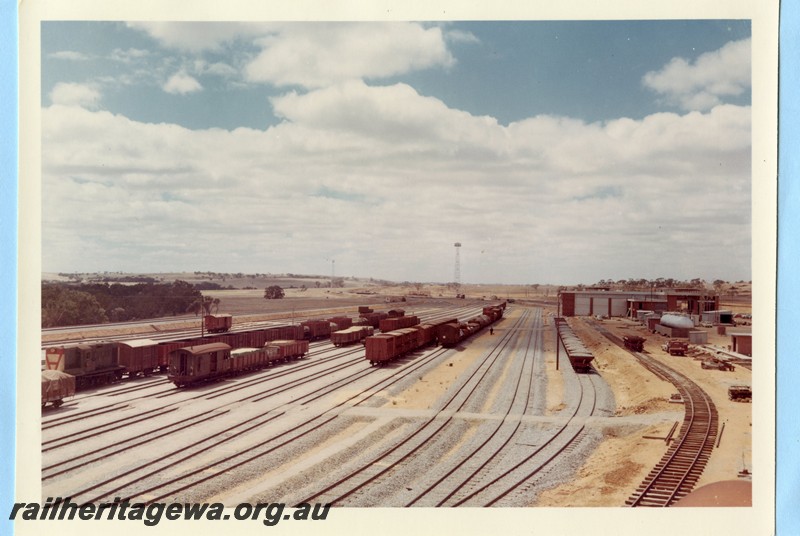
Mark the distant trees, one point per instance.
(70, 304)
(273, 292)
(62, 306)
(204, 304)
(658, 283)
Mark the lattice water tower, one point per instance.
(457, 276)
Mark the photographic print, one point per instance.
(296, 269)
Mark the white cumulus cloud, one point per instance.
(181, 84)
(318, 54)
(71, 94)
(369, 167)
(706, 82)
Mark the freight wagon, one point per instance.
(286, 350)
(374, 319)
(218, 323)
(579, 356)
(394, 344)
(451, 333)
(633, 342)
(351, 335)
(316, 329)
(385, 347)
(340, 323)
(217, 360)
(105, 362)
(397, 322)
(278, 333)
(56, 386)
(139, 357)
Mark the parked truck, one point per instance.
(676, 347)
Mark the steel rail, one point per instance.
(488, 360)
(682, 464)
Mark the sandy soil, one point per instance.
(625, 457)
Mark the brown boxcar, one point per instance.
(351, 335)
(438, 325)
(391, 345)
(56, 386)
(285, 333)
(427, 333)
(397, 322)
(218, 323)
(374, 319)
(138, 357)
(316, 329)
(451, 333)
(340, 322)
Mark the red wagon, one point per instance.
(351, 335)
(218, 323)
(139, 357)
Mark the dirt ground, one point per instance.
(625, 456)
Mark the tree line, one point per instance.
(68, 304)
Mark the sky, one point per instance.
(554, 152)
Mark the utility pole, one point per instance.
(457, 275)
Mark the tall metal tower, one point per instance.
(457, 276)
(333, 263)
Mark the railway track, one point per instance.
(502, 461)
(520, 478)
(133, 482)
(145, 476)
(683, 463)
(117, 447)
(495, 466)
(223, 467)
(359, 483)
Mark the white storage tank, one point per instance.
(676, 320)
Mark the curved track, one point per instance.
(682, 465)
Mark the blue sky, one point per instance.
(277, 147)
(510, 70)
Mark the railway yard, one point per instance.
(500, 418)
